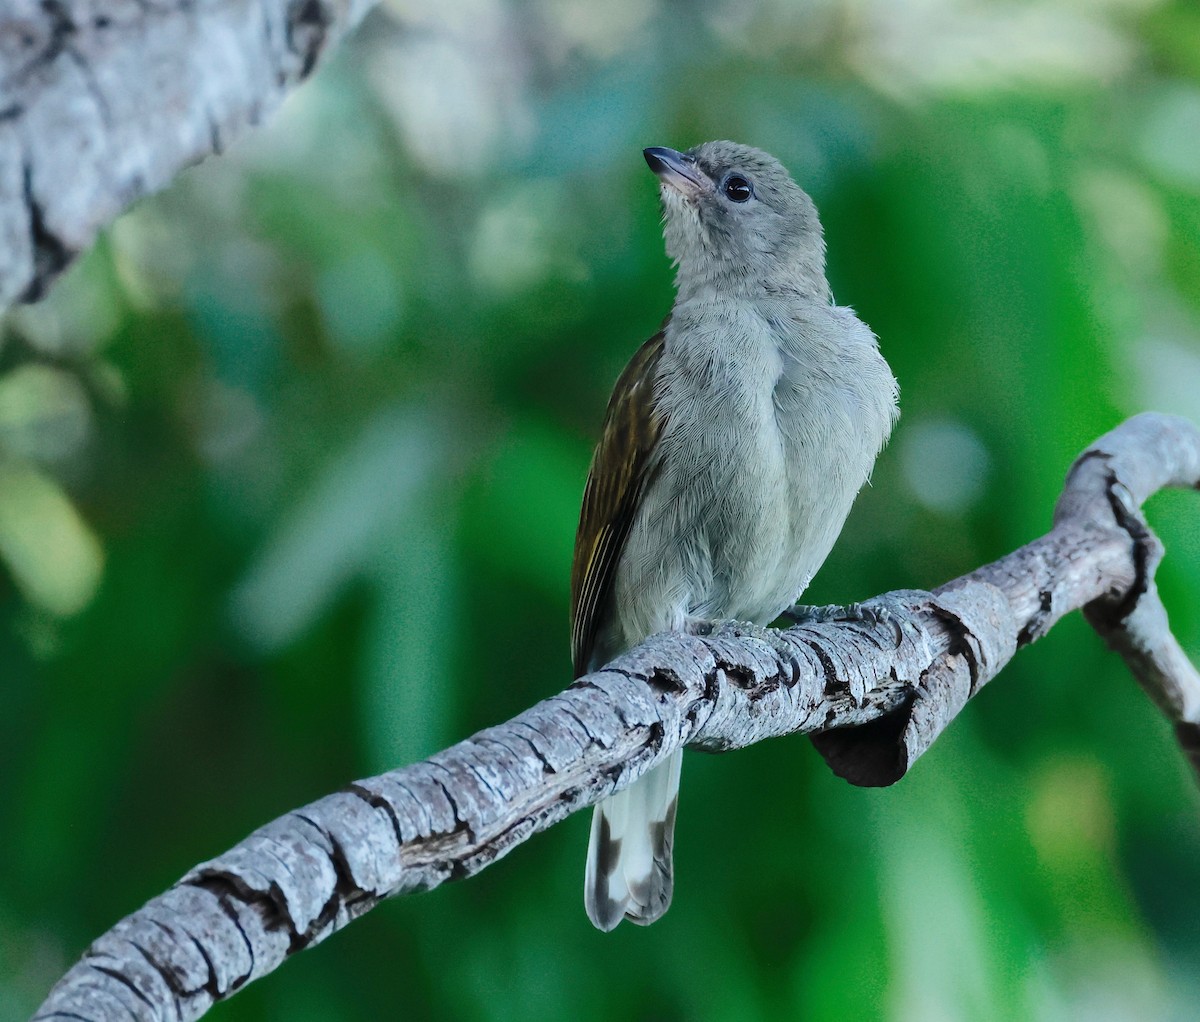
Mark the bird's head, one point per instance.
(734, 219)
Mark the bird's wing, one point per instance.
(622, 467)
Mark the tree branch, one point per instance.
(101, 104)
(874, 690)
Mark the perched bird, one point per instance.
(733, 447)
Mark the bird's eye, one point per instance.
(737, 189)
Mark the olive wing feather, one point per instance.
(622, 467)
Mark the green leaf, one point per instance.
(55, 558)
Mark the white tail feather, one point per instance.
(629, 872)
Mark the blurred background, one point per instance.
(291, 464)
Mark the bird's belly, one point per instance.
(744, 532)
(775, 528)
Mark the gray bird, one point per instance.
(733, 447)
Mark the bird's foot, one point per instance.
(871, 613)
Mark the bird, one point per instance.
(733, 446)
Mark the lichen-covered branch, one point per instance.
(874, 689)
(104, 102)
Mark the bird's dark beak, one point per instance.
(677, 170)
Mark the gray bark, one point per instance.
(104, 101)
(874, 688)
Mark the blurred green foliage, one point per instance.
(291, 465)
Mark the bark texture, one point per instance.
(874, 685)
(104, 101)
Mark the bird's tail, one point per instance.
(629, 855)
